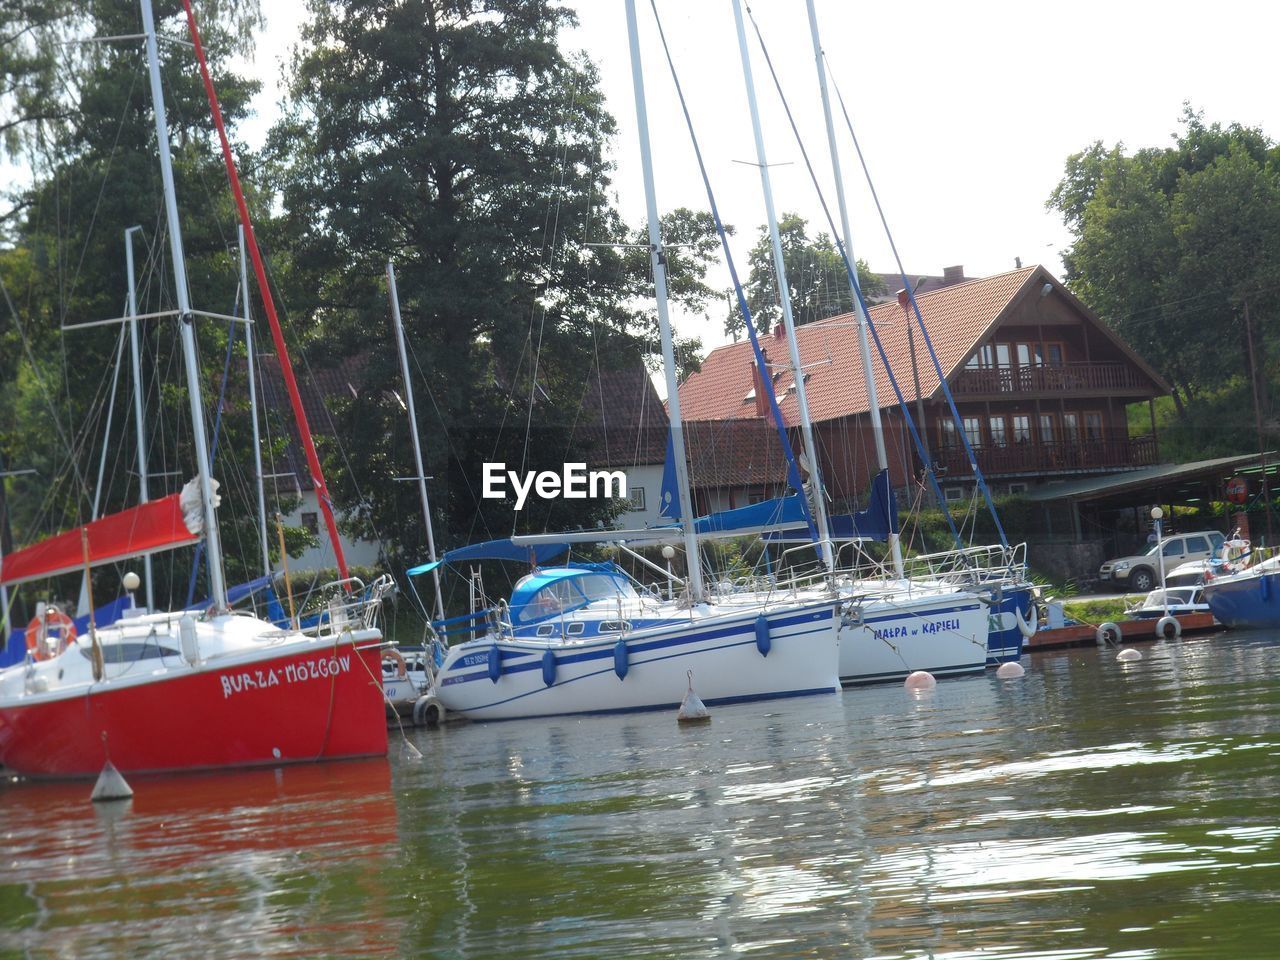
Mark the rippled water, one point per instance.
(1091, 809)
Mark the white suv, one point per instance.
(1141, 573)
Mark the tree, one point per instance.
(89, 141)
(816, 276)
(1169, 246)
(460, 141)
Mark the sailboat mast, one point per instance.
(139, 424)
(818, 497)
(864, 347)
(413, 432)
(268, 303)
(217, 585)
(253, 407)
(659, 263)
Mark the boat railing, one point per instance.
(349, 604)
(981, 563)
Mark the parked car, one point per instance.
(1141, 572)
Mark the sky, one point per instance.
(966, 113)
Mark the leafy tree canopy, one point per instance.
(1170, 246)
(816, 278)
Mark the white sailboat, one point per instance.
(598, 645)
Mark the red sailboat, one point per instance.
(184, 690)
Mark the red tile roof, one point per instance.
(957, 318)
(734, 453)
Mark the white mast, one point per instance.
(413, 431)
(818, 500)
(659, 262)
(253, 408)
(217, 585)
(139, 424)
(877, 428)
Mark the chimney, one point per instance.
(762, 399)
(1017, 263)
(952, 275)
(779, 331)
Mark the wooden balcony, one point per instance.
(1068, 378)
(1059, 457)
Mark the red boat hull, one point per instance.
(319, 704)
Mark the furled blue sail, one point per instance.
(495, 550)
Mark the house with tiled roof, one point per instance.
(1041, 384)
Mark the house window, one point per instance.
(1021, 428)
(1071, 427)
(973, 431)
(1048, 428)
(999, 438)
(1056, 353)
(637, 498)
(1093, 426)
(954, 494)
(947, 434)
(311, 523)
(984, 359)
(1017, 488)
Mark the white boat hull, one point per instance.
(887, 639)
(591, 676)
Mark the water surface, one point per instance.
(1091, 809)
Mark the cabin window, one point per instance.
(614, 626)
(546, 629)
(999, 437)
(1021, 428)
(575, 629)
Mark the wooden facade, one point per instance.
(1042, 387)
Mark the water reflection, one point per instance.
(225, 860)
(1088, 810)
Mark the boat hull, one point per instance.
(1004, 639)
(322, 703)
(887, 640)
(724, 653)
(1248, 600)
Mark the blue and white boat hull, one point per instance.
(1004, 636)
(886, 638)
(743, 654)
(1250, 599)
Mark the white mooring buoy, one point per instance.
(1128, 655)
(110, 786)
(692, 710)
(1011, 670)
(920, 680)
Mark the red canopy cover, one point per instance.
(147, 528)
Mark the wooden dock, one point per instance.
(1083, 635)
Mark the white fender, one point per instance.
(1027, 627)
(1164, 623)
(1107, 632)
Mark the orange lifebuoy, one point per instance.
(38, 633)
(396, 657)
